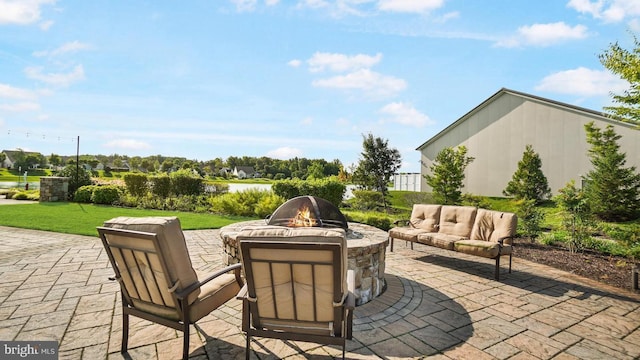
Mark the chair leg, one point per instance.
(185, 344)
(247, 350)
(391, 241)
(510, 255)
(498, 268)
(344, 347)
(125, 332)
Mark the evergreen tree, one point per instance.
(528, 182)
(447, 174)
(612, 191)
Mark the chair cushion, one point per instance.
(405, 233)
(492, 225)
(426, 217)
(457, 220)
(213, 294)
(279, 303)
(172, 245)
(443, 241)
(487, 249)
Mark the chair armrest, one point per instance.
(191, 288)
(502, 239)
(405, 222)
(350, 301)
(242, 293)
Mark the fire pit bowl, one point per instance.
(304, 211)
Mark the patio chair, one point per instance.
(297, 285)
(157, 281)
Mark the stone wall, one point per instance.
(53, 188)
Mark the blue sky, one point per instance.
(204, 79)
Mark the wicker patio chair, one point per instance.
(157, 281)
(296, 285)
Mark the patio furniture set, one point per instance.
(295, 283)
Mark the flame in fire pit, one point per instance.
(303, 218)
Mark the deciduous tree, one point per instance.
(626, 64)
(377, 165)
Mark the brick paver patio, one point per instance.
(438, 305)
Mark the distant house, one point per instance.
(11, 156)
(244, 172)
(497, 131)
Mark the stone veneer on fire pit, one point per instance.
(366, 252)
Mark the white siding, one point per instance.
(497, 133)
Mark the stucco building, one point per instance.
(497, 131)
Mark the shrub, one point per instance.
(576, 215)
(530, 218)
(250, 202)
(475, 200)
(366, 200)
(161, 185)
(84, 193)
(381, 222)
(21, 196)
(107, 195)
(185, 182)
(329, 189)
(77, 178)
(137, 183)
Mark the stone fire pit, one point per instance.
(366, 252)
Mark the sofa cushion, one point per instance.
(426, 217)
(457, 220)
(492, 225)
(482, 248)
(405, 233)
(443, 241)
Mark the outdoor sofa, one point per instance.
(463, 229)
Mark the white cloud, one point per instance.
(583, 82)
(284, 153)
(21, 12)
(405, 114)
(314, 4)
(128, 144)
(46, 25)
(366, 80)
(245, 5)
(8, 91)
(307, 121)
(410, 6)
(59, 79)
(545, 35)
(69, 47)
(340, 62)
(294, 63)
(271, 2)
(19, 107)
(607, 10)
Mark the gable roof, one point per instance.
(535, 98)
(246, 169)
(12, 154)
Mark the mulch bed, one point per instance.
(611, 270)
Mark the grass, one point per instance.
(82, 219)
(14, 175)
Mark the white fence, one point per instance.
(407, 182)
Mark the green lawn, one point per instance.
(82, 219)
